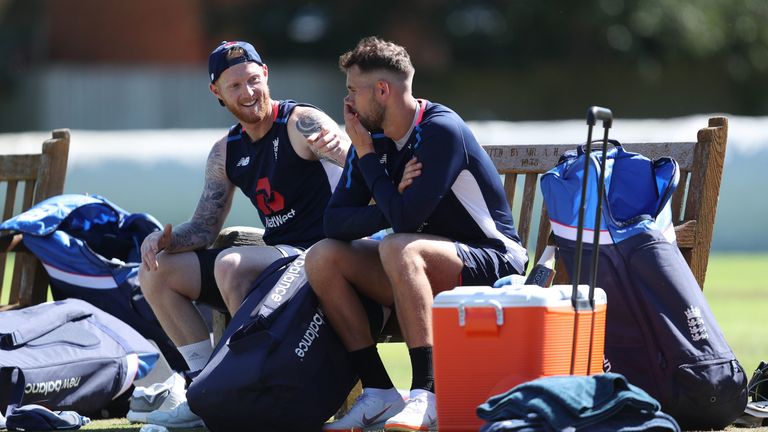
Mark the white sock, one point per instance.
(390, 394)
(197, 354)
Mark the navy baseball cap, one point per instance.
(228, 54)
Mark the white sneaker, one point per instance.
(419, 414)
(368, 412)
(179, 417)
(165, 396)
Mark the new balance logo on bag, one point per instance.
(312, 332)
(52, 386)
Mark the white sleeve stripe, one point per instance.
(468, 192)
(332, 171)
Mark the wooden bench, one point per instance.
(27, 179)
(694, 204)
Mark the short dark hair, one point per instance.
(372, 53)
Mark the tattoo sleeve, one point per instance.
(309, 122)
(211, 210)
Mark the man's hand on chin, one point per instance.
(361, 138)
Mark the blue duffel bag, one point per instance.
(91, 250)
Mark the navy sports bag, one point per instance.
(90, 249)
(72, 356)
(279, 366)
(660, 332)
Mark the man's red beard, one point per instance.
(252, 114)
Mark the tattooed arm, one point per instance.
(212, 208)
(314, 136)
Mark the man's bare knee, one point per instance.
(320, 263)
(155, 282)
(395, 249)
(232, 278)
(173, 277)
(225, 267)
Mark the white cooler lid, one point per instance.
(514, 296)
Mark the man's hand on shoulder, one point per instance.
(322, 135)
(327, 144)
(152, 245)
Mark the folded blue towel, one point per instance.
(599, 402)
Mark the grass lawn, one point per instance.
(123, 425)
(735, 289)
(738, 295)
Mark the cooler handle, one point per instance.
(481, 303)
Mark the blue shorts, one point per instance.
(484, 265)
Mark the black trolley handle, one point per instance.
(599, 113)
(594, 114)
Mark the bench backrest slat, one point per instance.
(701, 164)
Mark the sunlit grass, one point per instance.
(737, 291)
(5, 284)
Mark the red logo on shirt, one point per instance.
(267, 200)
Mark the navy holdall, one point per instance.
(279, 365)
(660, 332)
(72, 356)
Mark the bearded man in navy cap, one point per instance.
(286, 157)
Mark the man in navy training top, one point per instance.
(438, 191)
(286, 158)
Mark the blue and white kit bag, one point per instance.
(660, 332)
(91, 250)
(72, 356)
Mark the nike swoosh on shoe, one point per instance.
(369, 421)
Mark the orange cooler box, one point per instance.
(488, 340)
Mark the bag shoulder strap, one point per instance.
(286, 287)
(25, 325)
